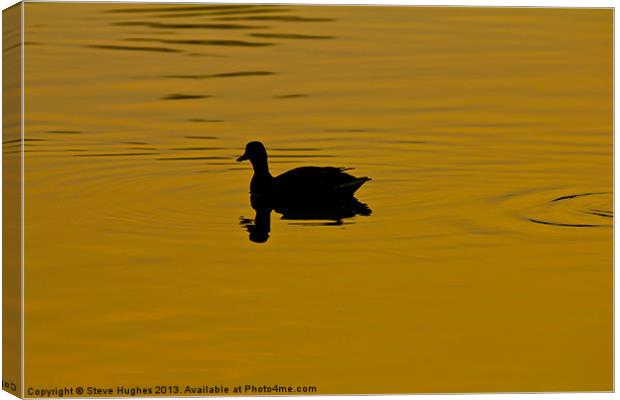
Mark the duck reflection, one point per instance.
(260, 227)
(330, 213)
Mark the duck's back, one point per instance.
(316, 182)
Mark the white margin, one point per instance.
(436, 3)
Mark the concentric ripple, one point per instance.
(578, 210)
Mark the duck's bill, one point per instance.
(242, 158)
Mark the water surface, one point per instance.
(486, 264)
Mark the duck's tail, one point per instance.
(352, 186)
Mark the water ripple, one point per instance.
(132, 48)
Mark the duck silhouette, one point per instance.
(305, 193)
(304, 184)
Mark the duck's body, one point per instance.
(300, 185)
(316, 182)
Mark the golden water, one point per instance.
(467, 276)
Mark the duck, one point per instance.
(306, 185)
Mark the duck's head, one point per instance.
(254, 151)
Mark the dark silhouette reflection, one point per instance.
(333, 212)
(260, 227)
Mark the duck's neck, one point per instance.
(261, 168)
(262, 179)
